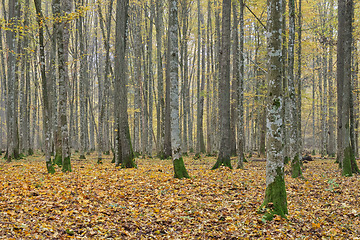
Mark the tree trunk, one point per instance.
(224, 89)
(344, 52)
(210, 79)
(332, 103)
(160, 80)
(178, 163)
(125, 156)
(200, 145)
(83, 93)
(294, 138)
(235, 80)
(12, 151)
(275, 195)
(167, 123)
(240, 95)
(45, 87)
(63, 53)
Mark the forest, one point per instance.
(179, 119)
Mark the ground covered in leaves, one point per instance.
(102, 202)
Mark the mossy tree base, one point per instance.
(82, 156)
(286, 160)
(66, 165)
(50, 167)
(346, 165)
(161, 155)
(275, 198)
(58, 160)
(240, 163)
(179, 169)
(349, 165)
(128, 162)
(222, 161)
(296, 167)
(30, 152)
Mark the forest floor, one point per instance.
(103, 202)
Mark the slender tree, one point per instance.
(178, 162)
(63, 56)
(344, 52)
(160, 75)
(294, 138)
(224, 89)
(241, 137)
(124, 150)
(11, 122)
(44, 84)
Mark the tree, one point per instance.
(124, 151)
(83, 89)
(44, 84)
(345, 151)
(224, 89)
(63, 56)
(294, 138)
(240, 95)
(178, 162)
(11, 114)
(275, 195)
(200, 144)
(160, 74)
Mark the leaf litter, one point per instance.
(104, 202)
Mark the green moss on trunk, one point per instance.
(354, 166)
(30, 152)
(58, 159)
(286, 160)
(275, 197)
(179, 169)
(296, 167)
(346, 165)
(66, 165)
(50, 167)
(161, 155)
(128, 162)
(222, 161)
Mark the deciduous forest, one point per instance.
(179, 119)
